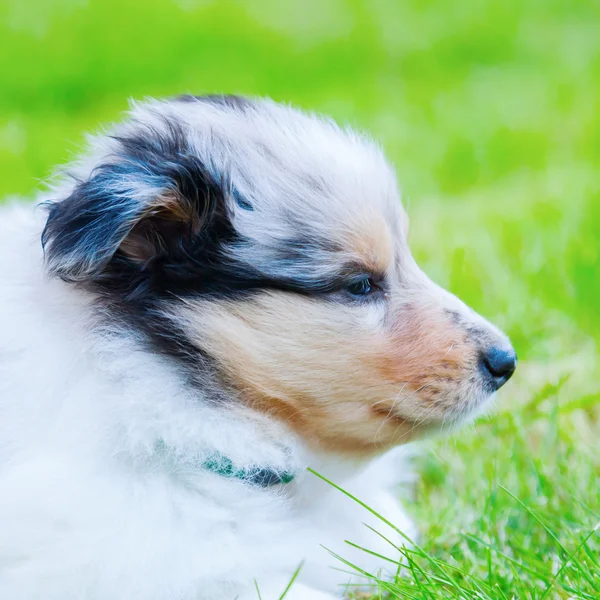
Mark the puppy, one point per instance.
(218, 296)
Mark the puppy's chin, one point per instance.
(428, 421)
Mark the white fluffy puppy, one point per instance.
(217, 297)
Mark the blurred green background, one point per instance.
(490, 111)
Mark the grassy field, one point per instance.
(491, 113)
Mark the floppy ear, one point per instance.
(148, 202)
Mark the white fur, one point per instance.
(90, 511)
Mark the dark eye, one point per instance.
(362, 287)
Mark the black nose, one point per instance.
(499, 364)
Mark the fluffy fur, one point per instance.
(218, 279)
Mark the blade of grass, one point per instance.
(536, 517)
(291, 582)
(568, 560)
(381, 518)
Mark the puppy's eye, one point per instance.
(362, 287)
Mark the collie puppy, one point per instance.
(217, 297)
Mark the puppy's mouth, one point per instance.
(436, 408)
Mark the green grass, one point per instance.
(491, 112)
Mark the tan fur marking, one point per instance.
(142, 241)
(425, 347)
(369, 237)
(333, 379)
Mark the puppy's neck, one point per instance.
(157, 418)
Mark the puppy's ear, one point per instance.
(150, 201)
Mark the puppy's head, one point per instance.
(270, 247)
